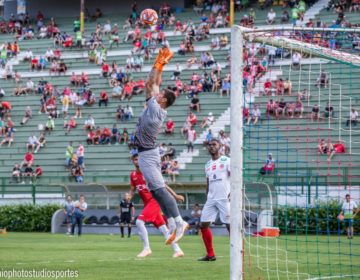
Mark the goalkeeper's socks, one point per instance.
(207, 238)
(129, 231)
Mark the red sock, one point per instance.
(207, 238)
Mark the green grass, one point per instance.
(109, 257)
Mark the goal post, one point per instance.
(283, 37)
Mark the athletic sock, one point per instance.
(179, 221)
(171, 224)
(143, 233)
(165, 231)
(207, 238)
(122, 231)
(129, 231)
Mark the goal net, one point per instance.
(295, 103)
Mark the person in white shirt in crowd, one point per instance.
(271, 17)
(27, 115)
(69, 208)
(89, 122)
(28, 55)
(353, 120)
(49, 54)
(32, 143)
(296, 60)
(225, 143)
(208, 121)
(2, 92)
(107, 27)
(30, 86)
(349, 210)
(128, 112)
(255, 115)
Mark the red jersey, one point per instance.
(137, 181)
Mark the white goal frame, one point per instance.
(238, 36)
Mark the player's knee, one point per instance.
(139, 222)
(204, 224)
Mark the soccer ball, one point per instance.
(149, 17)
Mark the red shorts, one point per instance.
(152, 214)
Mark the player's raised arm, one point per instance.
(152, 84)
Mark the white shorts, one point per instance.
(214, 207)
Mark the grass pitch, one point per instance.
(111, 257)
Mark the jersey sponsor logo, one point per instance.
(214, 176)
(222, 166)
(213, 167)
(141, 187)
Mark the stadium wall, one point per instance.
(63, 8)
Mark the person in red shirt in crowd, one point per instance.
(271, 107)
(34, 64)
(57, 54)
(179, 85)
(51, 104)
(169, 127)
(267, 87)
(127, 92)
(105, 69)
(137, 33)
(39, 16)
(90, 137)
(68, 43)
(10, 123)
(148, 35)
(192, 119)
(280, 87)
(38, 172)
(68, 125)
(28, 160)
(178, 26)
(97, 136)
(105, 136)
(104, 98)
(84, 78)
(74, 80)
(6, 106)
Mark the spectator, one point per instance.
(352, 121)
(89, 123)
(28, 160)
(349, 209)
(38, 172)
(27, 115)
(30, 86)
(169, 127)
(281, 108)
(271, 17)
(195, 103)
(225, 87)
(80, 152)
(16, 172)
(105, 70)
(28, 172)
(208, 121)
(326, 149)
(68, 125)
(209, 136)
(329, 111)
(322, 80)
(177, 72)
(117, 90)
(287, 86)
(191, 137)
(128, 112)
(32, 143)
(225, 142)
(9, 137)
(296, 60)
(268, 168)
(91, 138)
(50, 125)
(191, 119)
(294, 108)
(114, 138)
(105, 136)
(195, 217)
(2, 92)
(315, 113)
(224, 40)
(124, 137)
(174, 170)
(255, 115)
(104, 98)
(120, 113)
(42, 142)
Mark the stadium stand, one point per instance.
(109, 164)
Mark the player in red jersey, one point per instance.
(151, 212)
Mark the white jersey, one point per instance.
(348, 208)
(218, 174)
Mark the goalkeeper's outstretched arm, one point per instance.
(152, 85)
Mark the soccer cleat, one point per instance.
(178, 254)
(171, 238)
(145, 253)
(207, 259)
(181, 231)
(164, 57)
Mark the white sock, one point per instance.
(165, 231)
(142, 231)
(179, 221)
(171, 224)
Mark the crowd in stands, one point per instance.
(208, 76)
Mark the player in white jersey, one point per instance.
(218, 196)
(349, 210)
